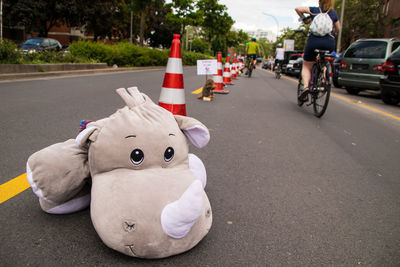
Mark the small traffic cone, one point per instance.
(218, 78)
(172, 96)
(227, 72)
(234, 67)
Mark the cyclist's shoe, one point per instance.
(304, 95)
(247, 72)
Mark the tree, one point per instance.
(160, 30)
(183, 14)
(103, 18)
(143, 7)
(362, 19)
(41, 15)
(216, 23)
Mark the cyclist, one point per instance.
(252, 49)
(279, 55)
(326, 42)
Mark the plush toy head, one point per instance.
(147, 193)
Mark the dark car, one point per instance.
(40, 44)
(357, 71)
(336, 70)
(390, 82)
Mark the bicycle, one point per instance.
(320, 84)
(250, 67)
(278, 71)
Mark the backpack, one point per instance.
(322, 24)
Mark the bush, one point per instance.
(9, 53)
(190, 58)
(121, 54)
(126, 54)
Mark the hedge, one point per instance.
(126, 54)
(122, 54)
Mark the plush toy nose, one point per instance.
(129, 226)
(178, 217)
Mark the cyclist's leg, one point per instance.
(305, 77)
(306, 72)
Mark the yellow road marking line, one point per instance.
(198, 91)
(365, 106)
(351, 101)
(13, 187)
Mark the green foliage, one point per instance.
(362, 19)
(9, 53)
(199, 46)
(190, 58)
(126, 54)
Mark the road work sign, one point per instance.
(207, 67)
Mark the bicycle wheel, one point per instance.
(277, 74)
(322, 91)
(300, 88)
(250, 70)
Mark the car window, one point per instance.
(395, 45)
(367, 49)
(33, 42)
(396, 52)
(46, 43)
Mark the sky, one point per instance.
(248, 14)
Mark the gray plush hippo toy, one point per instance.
(145, 191)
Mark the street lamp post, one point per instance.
(1, 20)
(277, 24)
(339, 43)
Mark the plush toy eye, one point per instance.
(137, 156)
(168, 154)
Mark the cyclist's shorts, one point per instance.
(322, 43)
(254, 56)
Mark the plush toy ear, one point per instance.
(89, 134)
(194, 130)
(58, 173)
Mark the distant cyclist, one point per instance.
(252, 49)
(279, 55)
(326, 42)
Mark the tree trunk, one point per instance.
(141, 33)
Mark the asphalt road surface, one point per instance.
(286, 188)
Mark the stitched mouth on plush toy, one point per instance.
(132, 250)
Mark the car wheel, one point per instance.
(336, 83)
(389, 97)
(352, 90)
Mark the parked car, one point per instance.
(294, 65)
(357, 71)
(40, 44)
(336, 70)
(287, 56)
(390, 82)
(266, 64)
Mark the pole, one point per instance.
(1, 20)
(130, 36)
(277, 24)
(339, 43)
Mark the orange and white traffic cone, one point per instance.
(234, 67)
(218, 78)
(233, 72)
(226, 78)
(172, 96)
